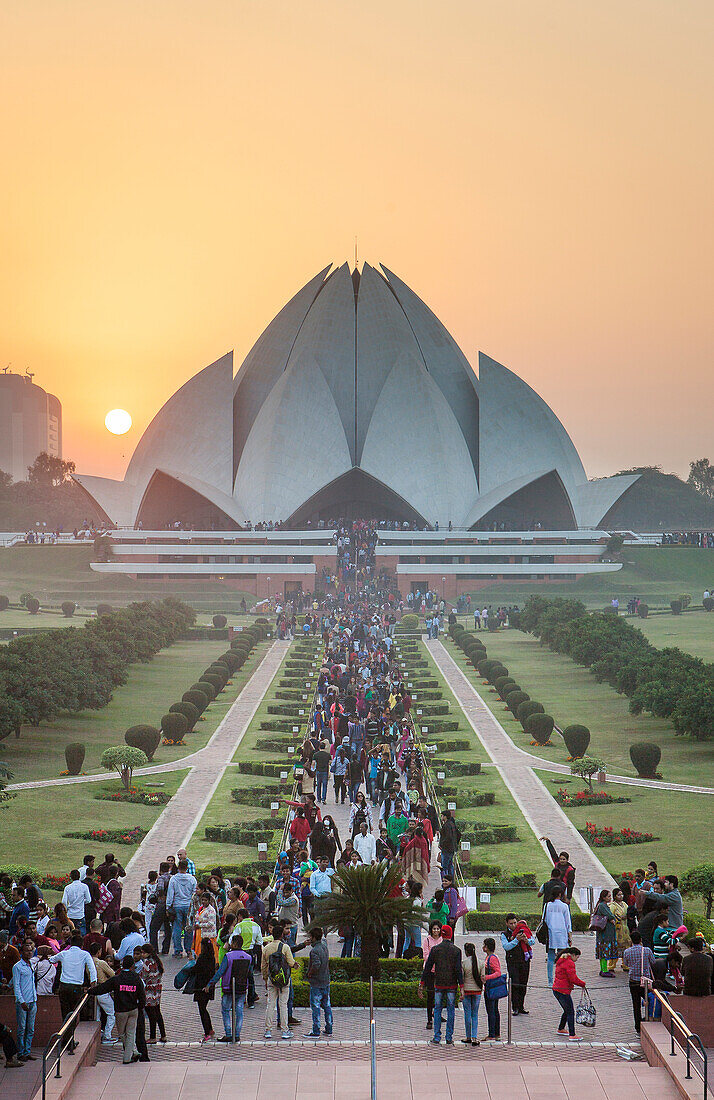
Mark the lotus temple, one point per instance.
(356, 402)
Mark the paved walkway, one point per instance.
(515, 767)
(174, 827)
(448, 1075)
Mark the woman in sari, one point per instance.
(205, 928)
(618, 908)
(415, 857)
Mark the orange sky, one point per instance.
(540, 172)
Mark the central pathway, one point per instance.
(515, 767)
(175, 826)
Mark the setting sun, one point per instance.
(118, 421)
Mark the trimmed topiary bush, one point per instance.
(504, 684)
(577, 739)
(199, 699)
(514, 699)
(220, 621)
(526, 709)
(645, 756)
(407, 624)
(104, 609)
(4, 603)
(676, 606)
(497, 670)
(174, 726)
(231, 660)
(190, 712)
(539, 727)
(146, 738)
(707, 603)
(214, 678)
(32, 605)
(74, 757)
(207, 689)
(68, 608)
(643, 610)
(123, 759)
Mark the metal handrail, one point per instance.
(691, 1039)
(56, 1041)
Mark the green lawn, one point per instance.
(655, 573)
(676, 818)
(221, 810)
(571, 694)
(148, 693)
(693, 632)
(33, 823)
(526, 854)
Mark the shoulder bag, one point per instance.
(498, 988)
(541, 932)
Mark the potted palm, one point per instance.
(368, 899)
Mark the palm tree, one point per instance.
(5, 773)
(362, 899)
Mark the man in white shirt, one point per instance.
(365, 843)
(87, 862)
(74, 963)
(320, 879)
(76, 895)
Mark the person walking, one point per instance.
(127, 990)
(638, 959)
(449, 840)
(276, 964)
(556, 915)
(564, 982)
(233, 975)
(603, 921)
(473, 988)
(493, 988)
(179, 895)
(25, 992)
(318, 975)
(445, 966)
(517, 941)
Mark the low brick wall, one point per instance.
(47, 1021)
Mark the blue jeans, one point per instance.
(321, 786)
(447, 865)
(494, 1017)
(568, 1017)
(551, 964)
(25, 1026)
(411, 936)
(226, 1008)
(320, 999)
(471, 1003)
(181, 928)
(441, 995)
(353, 791)
(348, 947)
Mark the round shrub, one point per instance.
(199, 699)
(493, 624)
(676, 606)
(68, 608)
(241, 645)
(174, 726)
(408, 622)
(707, 603)
(207, 688)
(514, 619)
(496, 670)
(24, 598)
(530, 706)
(484, 667)
(32, 605)
(216, 672)
(645, 756)
(4, 603)
(643, 610)
(577, 739)
(215, 679)
(514, 699)
(220, 621)
(104, 609)
(190, 712)
(539, 727)
(504, 684)
(221, 667)
(74, 757)
(146, 738)
(231, 660)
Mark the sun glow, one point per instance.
(118, 421)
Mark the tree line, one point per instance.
(667, 683)
(59, 671)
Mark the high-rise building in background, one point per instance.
(30, 422)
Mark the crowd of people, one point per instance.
(243, 935)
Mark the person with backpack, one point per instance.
(234, 970)
(275, 967)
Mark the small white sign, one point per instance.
(419, 710)
(304, 698)
(308, 683)
(451, 805)
(262, 849)
(296, 729)
(409, 683)
(275, 805)
(424, 729)
(414, 698)
(465, 845)
(485, 899)
(441, 776)
(301, 712)
(291, 750)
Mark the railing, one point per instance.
(687, 1041)
(57, 1043)
(372, 1042)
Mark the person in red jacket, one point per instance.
(565, 980)
(300, 827)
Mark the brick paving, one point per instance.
(449, 1076)
(515, 767)
(174, 827)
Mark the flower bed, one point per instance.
(136, 795)
(604, 836)
(172, 741)
(587, 798)
(112, 836)
(397, 987)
